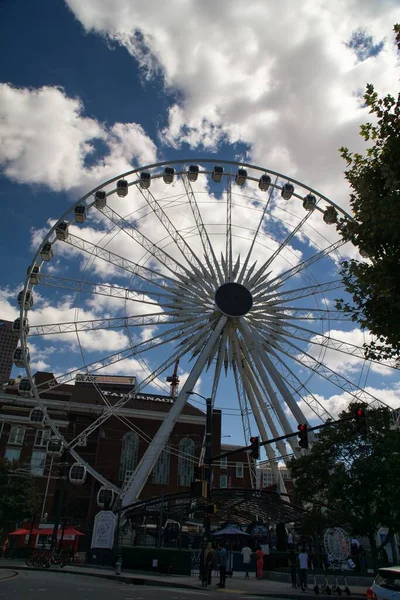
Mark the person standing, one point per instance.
(260, 562)
(246, 553)
(209, 556)
(303, 564)
(292, 563)
(5, 547)
(222, 562)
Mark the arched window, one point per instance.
(186, 462)
(161, 469)
(129, 455)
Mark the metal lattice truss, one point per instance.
(235, 302)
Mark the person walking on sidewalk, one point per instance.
(246, 553)
(292, 563)
(209, 556)
(303, 563)
(222, 562)
(260, 562)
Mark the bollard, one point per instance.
(118, 565)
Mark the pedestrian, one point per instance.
(222, 563)
(292, 563)
(260, 562)
(246, 553)
(4, 548)
(303, 564)
(209, 556)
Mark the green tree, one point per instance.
(19, 496)
(374, 285)
(356, 476)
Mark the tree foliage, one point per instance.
(19, 496)
(374, 285)
(354, 478)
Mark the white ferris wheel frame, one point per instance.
(249, 344)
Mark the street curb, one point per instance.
(137, 580)
(15, 573)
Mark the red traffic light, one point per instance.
(360, 412)
(303, 435)
(255, 447)
(360, 416)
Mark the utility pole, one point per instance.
(64, 473)
(208, 461)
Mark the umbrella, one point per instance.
(231, 532)
(49, 531)
(20, 532)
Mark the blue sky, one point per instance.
(92, 89)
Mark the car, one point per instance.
(386, 585)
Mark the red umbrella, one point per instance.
(49, 531)
(20, 532)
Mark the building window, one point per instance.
(239, 469)
(224, 462)
(161, 468)
(16, 436)
(42, 437)
(38, 462)
(129, 454)
(12, 454)
(186, 462)
(223, 481)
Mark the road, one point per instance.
(37, 585)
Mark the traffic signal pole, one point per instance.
(283, 437)
(208, 459)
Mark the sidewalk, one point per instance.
(236, 584)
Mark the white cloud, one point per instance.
(342, 361)
(336, 403)
(45, 139)
(278, 77)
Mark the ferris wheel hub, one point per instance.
(233, 299)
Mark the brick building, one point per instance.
(8, 343)
(113, 449)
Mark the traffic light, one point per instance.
(211, 509)
(255, 447)
(361, 420)
(303, 435)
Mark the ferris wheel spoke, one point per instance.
(314, 337)
(297, 386)
(145, 273)
(208, 250)
(103, 289)
(115, 408)
(160, 339)
(178, 239)
(341, 382)
(281, 246)
(135, 485)
(253, 241)
(291, 313)
(142, 320)
(228, 250)
(165, 259)
(298, 293)
(256, 351)
(305, 264)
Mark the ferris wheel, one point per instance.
(230, 268)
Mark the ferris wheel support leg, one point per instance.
(256, 351)
(139, 477)
(282, 387)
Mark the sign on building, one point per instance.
(104, 529)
